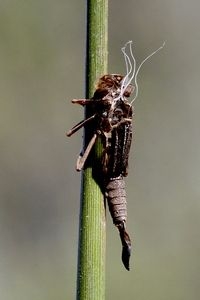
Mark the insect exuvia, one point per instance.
(111, 120)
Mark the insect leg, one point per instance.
(82, 157)
(79, 125)
(125, 120)
(82, 101)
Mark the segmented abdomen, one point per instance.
(116, 198)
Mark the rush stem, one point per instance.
(92, 233)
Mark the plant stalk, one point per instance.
(92, 236)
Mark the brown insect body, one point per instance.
(112, 121)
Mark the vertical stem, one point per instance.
(91, 262)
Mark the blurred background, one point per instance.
(42, 56)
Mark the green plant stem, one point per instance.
(92, 237)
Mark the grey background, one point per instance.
(42, 56)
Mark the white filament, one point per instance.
(126, 81)
(131, 69)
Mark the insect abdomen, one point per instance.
(116, 197)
